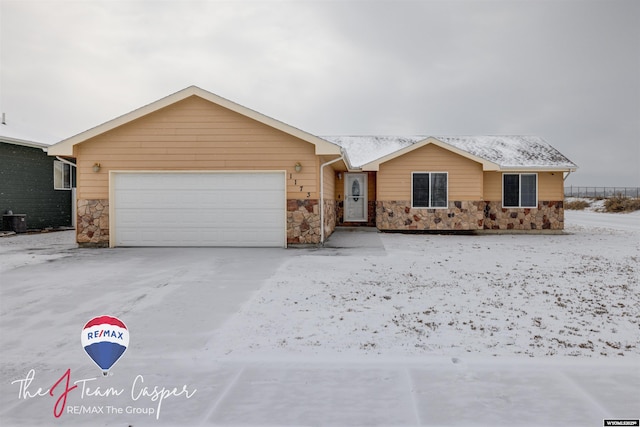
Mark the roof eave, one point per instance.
(539, 168)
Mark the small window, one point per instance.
(429, 189)
(61, 175)
(520, 190)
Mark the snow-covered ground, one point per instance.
(29, 249)
(374, 329)
(531, 295)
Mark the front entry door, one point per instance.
(355, 200)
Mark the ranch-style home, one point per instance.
(195, 169)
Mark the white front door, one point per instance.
(355, 199)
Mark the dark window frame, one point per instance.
(518, 192)
(425, 194)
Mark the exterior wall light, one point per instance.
(298, 167)
(96, 167)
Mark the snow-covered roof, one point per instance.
(365, 149)
(506, 152)
(511, 151)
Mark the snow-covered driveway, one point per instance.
(381, 329)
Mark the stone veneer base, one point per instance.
(303, 221)
(549, 215)
(92, 225)
(469, 216)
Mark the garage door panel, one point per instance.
(199, 209)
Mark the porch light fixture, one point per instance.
(96, 167)
(298, 167)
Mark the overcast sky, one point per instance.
(566, 70)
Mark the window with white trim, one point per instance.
(61, 175)
(520, 190)
(429, 189)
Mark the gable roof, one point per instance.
(509, 152)
(65, 147)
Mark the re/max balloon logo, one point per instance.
(105, 339)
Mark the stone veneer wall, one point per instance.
(398, 215)
(92, 226)
(329, 217)
(303, 218)
(549, 215)
(303, 221)
(469, 215)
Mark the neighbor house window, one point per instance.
(61, 175)
(520, 190)
(429, 190)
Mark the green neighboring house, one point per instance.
(34, 184)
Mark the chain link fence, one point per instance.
(601, 192)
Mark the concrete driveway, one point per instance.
(149, 286)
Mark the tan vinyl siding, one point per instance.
(465, 175)
(195, 134)
(550, 185)
(329, 180)
(492, 186)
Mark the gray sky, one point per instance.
(566, 70)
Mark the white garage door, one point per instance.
(199, 209)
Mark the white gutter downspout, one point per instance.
(322, 194)
(66, 161)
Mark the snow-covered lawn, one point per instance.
(531, 295)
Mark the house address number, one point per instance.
(295, 182)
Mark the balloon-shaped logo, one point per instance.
(105, 339)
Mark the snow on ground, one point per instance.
(28, 249)
(589, 221)
(575, 294)
(374, 329)
(509, 295)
